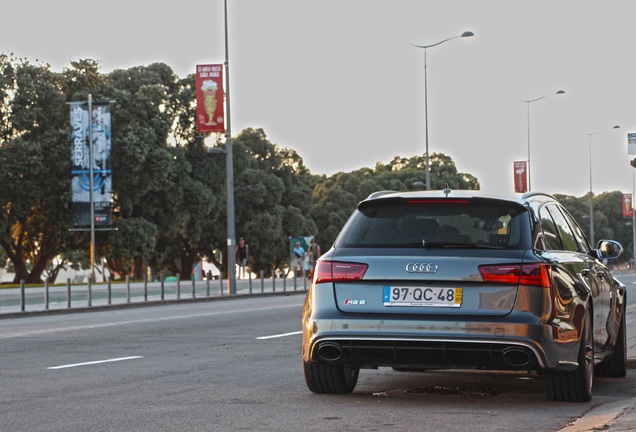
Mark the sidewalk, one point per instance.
(15, 302)
(631, 336)
(619, 416)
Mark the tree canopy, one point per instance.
(169, 187)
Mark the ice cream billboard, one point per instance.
(209, 94)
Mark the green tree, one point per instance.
(134, 240)
(150, 175)
(336, 197)
(146, 170)
(272, 198)
(610, 224)
(444, 171)
(7, 87)
(608, 219)
(332, 207)
(34, 167)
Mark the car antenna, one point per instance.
(446, 190)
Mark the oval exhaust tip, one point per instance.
(329, 352)
(516, 357)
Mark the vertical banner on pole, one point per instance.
(520, 176)
(631, 143)
(81, 163)
(628, 209)
(209, 94)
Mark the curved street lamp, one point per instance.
(465, 34)
(591, 202)
(528, 104)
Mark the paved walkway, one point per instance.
(618, 416)
(17, 302)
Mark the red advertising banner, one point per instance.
(521, 177)
(209, 92)
(628, 208)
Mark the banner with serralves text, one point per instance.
(209, 95)
(81, 163)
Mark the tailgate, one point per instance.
(443, 283)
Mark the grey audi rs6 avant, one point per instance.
(460, 280)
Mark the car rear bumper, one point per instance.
(426, 353)
(427, 344)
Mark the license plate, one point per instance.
(418, 296)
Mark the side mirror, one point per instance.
(608, 249)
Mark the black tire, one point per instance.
(330, 378)
(616, 365)
(576, 385)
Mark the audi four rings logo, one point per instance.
(422, 268)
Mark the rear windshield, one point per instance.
(437, 223)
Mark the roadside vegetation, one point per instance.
(169, 189)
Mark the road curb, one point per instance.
(604, 417)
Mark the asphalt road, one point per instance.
(234, 365)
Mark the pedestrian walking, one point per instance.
(308, 263)
(297, 260)
(242, 253)
(314, 252)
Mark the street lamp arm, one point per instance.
(603, 130)
(544, 96)
(465, 34)
(435, 44)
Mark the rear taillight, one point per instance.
(336, 271)
(517, 274)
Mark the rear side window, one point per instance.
(567, 236)
(560, 232)
(550, 231)
(433, 223)
(578, 233)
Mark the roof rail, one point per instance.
(532, 193)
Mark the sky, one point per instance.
(340, 81)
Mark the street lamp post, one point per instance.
(528, 105)
(229, 165)
(465, 34)
(591, 196)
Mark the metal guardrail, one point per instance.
(94, 295)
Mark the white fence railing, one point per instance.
(92, 295)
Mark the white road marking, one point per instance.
(278, 335)
(138, 321)
(95, 362)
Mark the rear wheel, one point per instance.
(576, 385)
(330, 378)
(616, 366)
